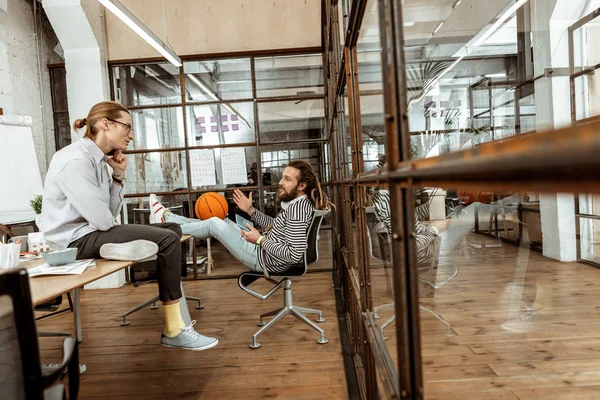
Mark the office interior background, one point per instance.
(485, 109)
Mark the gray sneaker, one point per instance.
(136, 250)
(189, 339)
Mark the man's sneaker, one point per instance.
(156, 210)
(189, 339)
(136, 250)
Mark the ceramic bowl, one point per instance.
(60, 257)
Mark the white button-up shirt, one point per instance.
(79, 195)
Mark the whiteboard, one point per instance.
(20, 175)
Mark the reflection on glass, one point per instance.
(497, 284)
(589, 228)
(275, 158)
(371, 89)
(291, 120)
(586, 56)
(218, 80)
(147, 85)
(158, 128)
(156, 172)
(289, 75)
(214, 124)
(461, 76)
(527, 108)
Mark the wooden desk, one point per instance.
(44, 288)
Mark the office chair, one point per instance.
(21, 372)
(311, 255)
(142, 215)
(422, 269)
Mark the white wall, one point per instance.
(209, 26)
(19, 77)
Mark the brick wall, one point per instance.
(20, 90)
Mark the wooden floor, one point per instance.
(554, 355)
(129, 363)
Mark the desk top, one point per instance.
(44, 288)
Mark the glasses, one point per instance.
(127, 126)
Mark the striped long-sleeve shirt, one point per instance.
(284, 244)
(426, 237)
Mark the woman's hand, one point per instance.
(118, 162)
(251, 236)
(244, 203)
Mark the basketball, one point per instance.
(211, 205)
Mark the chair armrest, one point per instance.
(71, 362)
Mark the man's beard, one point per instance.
(282, 195)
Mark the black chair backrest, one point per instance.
(19, 320)
(311, 255)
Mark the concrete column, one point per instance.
(550, 22)
(79, 25)
(80, 29)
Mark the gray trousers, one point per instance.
(166, 236)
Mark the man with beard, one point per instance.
(285, 238)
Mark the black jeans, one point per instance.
(166, 236)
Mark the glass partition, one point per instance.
(216, 80)
(146, 84)
(158, 128)
(291, 120)
(217, 124)
(289, 76)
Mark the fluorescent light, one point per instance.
(121, 12)
(437, 28)
(202, 86)
(456, 4)
(412, 23)
(500, 75)
(507, 14)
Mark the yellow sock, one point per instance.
(173, 320)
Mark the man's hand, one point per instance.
(244, 203)
(252, 236)
(118, 162)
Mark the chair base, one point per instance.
(289, 309)
(393, 318)
(153, 301)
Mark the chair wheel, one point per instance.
(255, 345)
(261, 323)
(154, 307)
(125, 323)
(199, 307)
(320, 319)
(322, 340)
(377, 315)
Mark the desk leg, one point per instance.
(209, 262)
(194, 257)
(77, 313)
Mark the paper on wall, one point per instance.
(233, 165)
(202, 164)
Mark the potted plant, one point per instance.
(36, 205)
